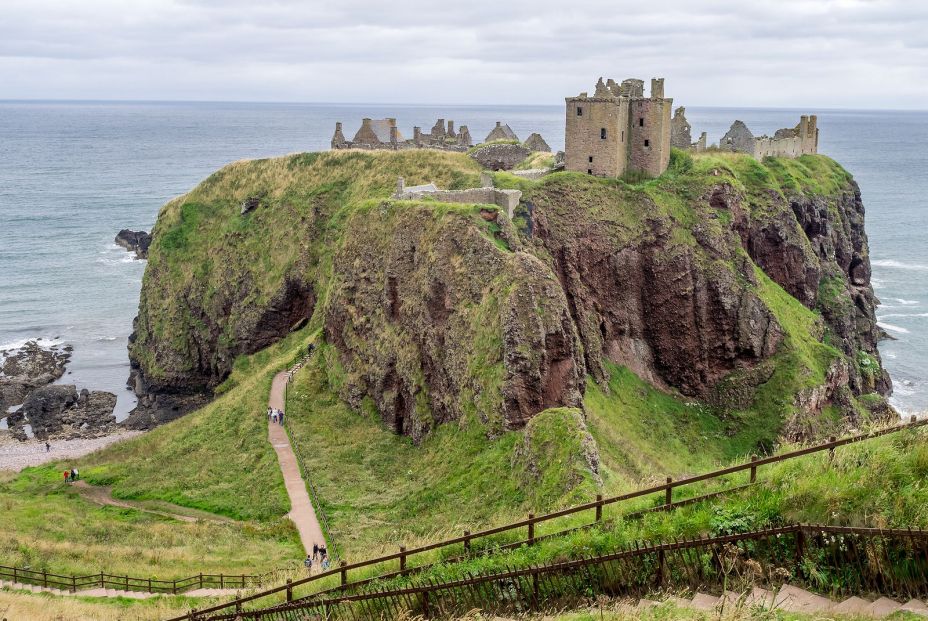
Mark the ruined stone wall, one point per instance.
(681, 135)
(584, 140)
(649, 135)
(507, 199)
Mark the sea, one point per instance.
(72, 174)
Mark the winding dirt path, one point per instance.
(104, 496)
(301, 509)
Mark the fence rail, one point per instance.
(74, 583)
(833, 560)
(467, 539)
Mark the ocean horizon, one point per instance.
(75, 172)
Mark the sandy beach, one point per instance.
(16, 455)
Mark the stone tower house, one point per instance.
(618, 129)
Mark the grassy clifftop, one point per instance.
(473, 368)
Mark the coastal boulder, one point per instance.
(134, 241)
(61, 412)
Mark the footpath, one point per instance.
(301, 508)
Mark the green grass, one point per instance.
(49, 526)
(380, 491)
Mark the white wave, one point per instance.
(106, 338)
(892, 263)
(898, 315)
(892, 328)
(903, 302)
(43, 341)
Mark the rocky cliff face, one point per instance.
(438, 312)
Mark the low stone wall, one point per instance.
(532, 174)
(507, 199)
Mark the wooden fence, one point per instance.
(833, 560)
(467, 540)
(102, 580)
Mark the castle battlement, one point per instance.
(618, 129)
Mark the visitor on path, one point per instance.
(270, 412)
(315, 551)
(280, 416)
(74, 474)
(325, 563)
(322, 551)
(48, 446)
(273, 416)
(67, 476)
(308, 563)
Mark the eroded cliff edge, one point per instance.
(741, 284)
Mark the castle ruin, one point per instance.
(787, 142)
(618, 129)
(384, 134)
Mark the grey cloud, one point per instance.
(763, 52)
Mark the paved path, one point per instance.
(301, 509)
(98, 592)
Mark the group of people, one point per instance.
(70, 476)
(320, 555)
(275, 416)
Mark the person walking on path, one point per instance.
(308, 563)
(48, 446)
(280, 417)
(74, 474)
(67, 476)
(315, 550)
(325, 563)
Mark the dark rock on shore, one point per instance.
(27, 368)
(134, 241)
(61, 412)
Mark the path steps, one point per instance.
(796, 600)
(788, 599)
(98, 592)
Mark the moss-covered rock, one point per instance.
(742, 284)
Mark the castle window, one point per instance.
(623, 135)
(589, 171)
(602, 133)
(647, 143)
(579, 111)
(591, 159)
(641, 122)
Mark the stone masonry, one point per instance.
(618, 129)
(787, 142)
(486, 195)
(384, 134)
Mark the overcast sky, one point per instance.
(824, 53)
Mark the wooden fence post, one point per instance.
(800, 547)
(344, 572)
(74, 584)
(831, 450)
(599, 508)
(467, 541)
(15, 578)
(201, 580)
(149, 585)
(44, 578)
(425, 604)
(289, 590)
(221, 581)
(531, 529)
(402, 558)
(127, 582)
(102, 586)
(660, 567)
(669, 497)
(753, 468)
